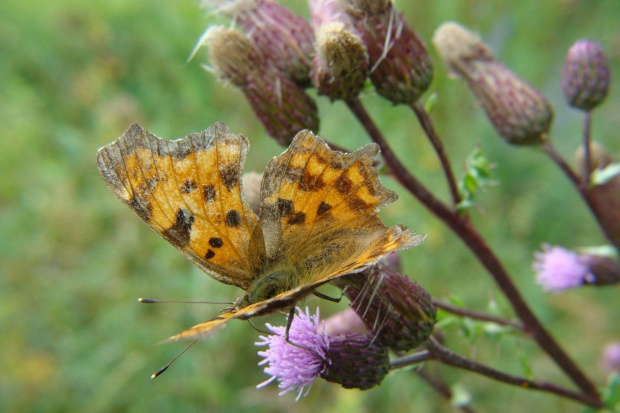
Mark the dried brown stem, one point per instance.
(474, 241)
(427, 124)
(476, 315)
(446, 356)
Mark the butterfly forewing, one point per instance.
(189, 192)
(319, 209)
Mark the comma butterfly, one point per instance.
(318, 212)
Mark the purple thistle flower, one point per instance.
(558, 268)
(355, 361)
(295, 368)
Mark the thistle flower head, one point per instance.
(340, 67)
(558, 268)
(295, 367)
(284, 38)
(520, 114)
(399, 313)
(279, 103)
(400, 67)
(356, 362)
(585, 75)
(353, 360)
(232, 56)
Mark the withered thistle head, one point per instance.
(400, 67)
(278, 102)
(520, 114)
(284, 38)
(340, 66)
(398, 312)
(585, 75)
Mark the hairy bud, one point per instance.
(398, 312)
(284, 38)
(400, 67)
(356, 362)
(520, 114)
(278, 102)
(585, 75)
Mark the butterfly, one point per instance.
(318, 212)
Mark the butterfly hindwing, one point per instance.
(189, 192)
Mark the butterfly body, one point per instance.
(318, 212)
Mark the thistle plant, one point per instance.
(354, 41)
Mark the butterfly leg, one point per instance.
(289, 323)
(328, 298)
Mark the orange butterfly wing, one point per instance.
(188, 191)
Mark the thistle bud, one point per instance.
(356, 362)
(340, 67)
(398, 312)
(520, 114)
(401, 69)
(280, 104)
(585, 75)
(284, 38)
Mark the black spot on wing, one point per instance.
(285, 207)
(357, 204)
(309, 182)
(344, 185)
(188, 186)
(233, 218)
(297, 218)
(179, 233)
(216, 242)
(323, 208)
(208, 191)
(230, 175)
(210, 254)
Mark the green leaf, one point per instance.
(477, 177)
(611, 394)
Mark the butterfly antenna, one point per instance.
(155, 301)
(257, 329)
(163, 369)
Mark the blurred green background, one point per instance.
(73, 260)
